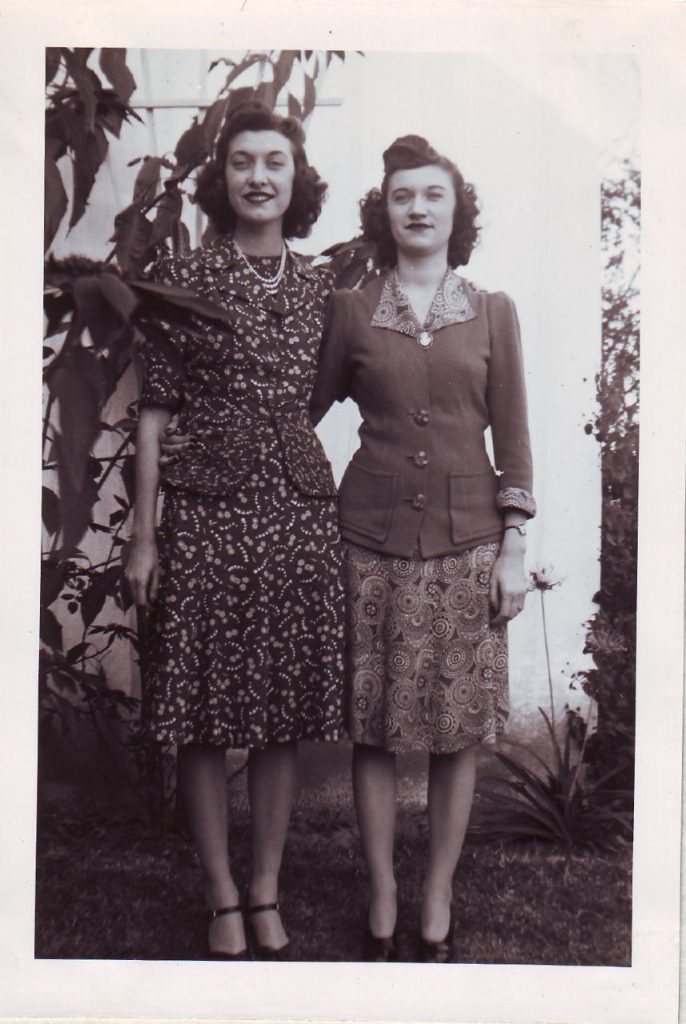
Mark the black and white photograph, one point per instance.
(342, 650)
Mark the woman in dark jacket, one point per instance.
(434, 559)
(243, 580)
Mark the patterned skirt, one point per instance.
(428, 671)
(245, 643)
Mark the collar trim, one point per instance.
(449, 305)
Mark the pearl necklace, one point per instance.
(270, 284)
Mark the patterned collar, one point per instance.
(449, 305)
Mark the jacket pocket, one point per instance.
(212, 465)
(473, 511)
(366, 501)
(306, 462)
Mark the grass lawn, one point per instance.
(107, 888)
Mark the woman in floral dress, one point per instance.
(242, 578)
(434, 538)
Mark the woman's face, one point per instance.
(259, 176)
(421, 204)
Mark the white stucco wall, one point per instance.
(533, 137)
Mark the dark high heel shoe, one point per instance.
(214, 954)
(258, 951)
(437, 952)
(378, 951)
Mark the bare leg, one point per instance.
(450, 794)
(202, 777)
(271, 786)
(375, 790)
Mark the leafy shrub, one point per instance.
(611, 638)
(554, 804)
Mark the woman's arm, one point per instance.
(509, 427)
(332, 381)
(508, 579)
(142, 566)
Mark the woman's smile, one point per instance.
(421, 205)
(259, 175)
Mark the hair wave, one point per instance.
(308, 188)
(376, 226)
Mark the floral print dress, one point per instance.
(246, 636)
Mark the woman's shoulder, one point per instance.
(178, 268)
(360, 299)
(494, 302)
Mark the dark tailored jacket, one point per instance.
(421, 480)
(239, 388)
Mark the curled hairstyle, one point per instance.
(406, 153)
(308, 188)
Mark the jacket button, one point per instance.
(421, 417)
(421, 459)
(419, 502)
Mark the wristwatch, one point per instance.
(519, 527)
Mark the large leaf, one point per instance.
(119, 296)
(238, 69)
(105, 584)
(168, 214)
(50, 508)
(294, 108)
(163, 300)
(283, 69)
(104, 305)
(85, 80)
(265, 93)
(191, 149)
(114, 66)
(147, 183)
(55, 201)
(90, 150)
(53, 575)
(50, 629)
(132, 232)
(52, 63)
(212, 122)
(309, 98)
(78, 386)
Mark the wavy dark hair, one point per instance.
(308, 188)
(376, 226)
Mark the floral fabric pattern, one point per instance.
(234, 387)
(246, 636)
(428, 670)
(449, 305)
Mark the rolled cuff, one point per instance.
(516, 498)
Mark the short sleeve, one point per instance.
(332, 383)
(162, 354)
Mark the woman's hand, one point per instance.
(172, 443)
(508, 585)
(142, 570)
